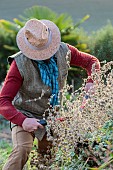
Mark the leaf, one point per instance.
(105, 164)
(9, 26)
(39, 12)
(12, 48)
(71, 28)
(18, 22)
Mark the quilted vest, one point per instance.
(33, 96)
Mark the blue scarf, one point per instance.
(49, 76)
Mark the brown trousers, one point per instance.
(22, 146)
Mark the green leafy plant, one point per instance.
(5, 150)
(101, 42)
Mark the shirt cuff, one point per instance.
(89, 80)
(18, 119)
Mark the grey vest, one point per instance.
(32, 98)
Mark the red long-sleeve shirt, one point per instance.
(13, 82)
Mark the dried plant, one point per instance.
(77, 135)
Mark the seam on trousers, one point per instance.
(16, 136)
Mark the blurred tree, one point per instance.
(101, 43)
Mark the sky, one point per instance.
(100, 11)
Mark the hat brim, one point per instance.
(44, 53)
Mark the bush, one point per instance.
(84, 139)
(7, 43)
(100, 43)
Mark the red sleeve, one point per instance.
(83, 60)
(12, 84)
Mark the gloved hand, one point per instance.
(89, 88)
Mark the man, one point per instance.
(36, 76)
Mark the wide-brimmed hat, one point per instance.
(39, 39)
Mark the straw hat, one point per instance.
(39, 39)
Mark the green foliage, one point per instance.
(96, 151)
(7, 45)
(101, 43)
(3, 123)
(76, 77)
(39, 12)
(5, 150)
(103, 145)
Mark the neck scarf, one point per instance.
(49, 76)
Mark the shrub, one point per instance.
(7, 47)
(100, 43)
(84, 139)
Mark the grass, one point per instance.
(5, 150)
(5, 145)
